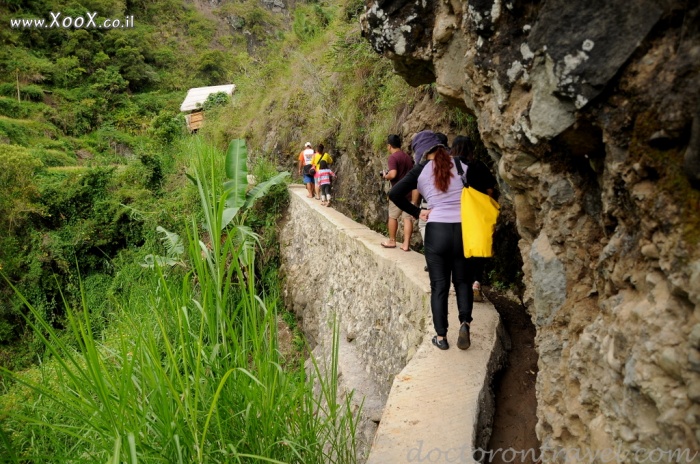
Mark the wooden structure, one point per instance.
(192, 105)
(194, 120)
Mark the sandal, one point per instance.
(442, 344)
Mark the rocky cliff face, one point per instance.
(592, 111)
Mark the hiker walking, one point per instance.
(440, 184)
(305, 159)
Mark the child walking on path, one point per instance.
(324, 182)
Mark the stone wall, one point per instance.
(592, 111)
(335, 269)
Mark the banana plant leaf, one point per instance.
(261, 189)
(237, 173)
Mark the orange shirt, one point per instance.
(306, 156)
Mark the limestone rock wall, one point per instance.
(592, 111)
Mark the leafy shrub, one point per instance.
(73, 197)
(216, 99)
(152, 103)
(13, 109)
(213, 67)
(155, 171)
(14, 132)
(109, 80)
(96, 286)
(62, 144)
(310, 20)
(8, 89)
(51, 158)
(303, 26)
(166, 127)
(67, 71)
(77, 113)
(109, 140)
(129, 118)
(18, 192)
(32, 92)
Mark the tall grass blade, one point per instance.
(117, 450)
(132, 448)
(7, 448)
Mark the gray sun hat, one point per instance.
(424, 142)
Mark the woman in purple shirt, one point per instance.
(441, 186)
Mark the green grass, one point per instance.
(324, 84)
(189, 369)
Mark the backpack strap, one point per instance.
(460, 171)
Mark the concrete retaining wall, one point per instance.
(334, 268)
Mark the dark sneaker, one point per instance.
(463, 340)
(442, 344)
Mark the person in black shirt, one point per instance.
(478, 175)
(480, 178)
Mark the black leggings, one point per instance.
(477, 265)
(445, 257)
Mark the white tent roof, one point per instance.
(198, 95)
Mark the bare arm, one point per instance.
(405, 187)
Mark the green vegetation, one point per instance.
(102, 92)
(190, 370)
(89, 120)
(139, 314)
(323, 82)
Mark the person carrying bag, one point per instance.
(438, 182)
(479, 213)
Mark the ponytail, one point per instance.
(442, 169)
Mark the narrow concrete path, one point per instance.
(440, 406)
(435, 405)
